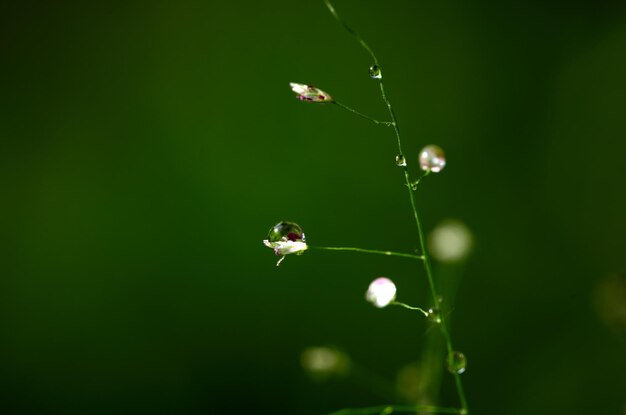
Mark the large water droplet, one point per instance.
(400, 160)
(456, 362)
(432, 158)
(375, 72)
(434, 315)
(286, 231)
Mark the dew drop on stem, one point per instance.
(456, 362)
(375, 72)
(434, 315)
(400, 160)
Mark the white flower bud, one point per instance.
(381, 292)
(309, 93)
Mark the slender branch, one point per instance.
(388, 409)
(367, 251)
(419, 179)
(367, 117)
(409, 307)
(420, 232)
(433, 292)
(392, 113)
(351, 31)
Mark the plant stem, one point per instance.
(367, 251)
(427, 266)
(367, 117)
(399, 409)
(419, 179)
(420, 232)
(409, 307)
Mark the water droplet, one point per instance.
(375, 72)
(286, 231)
(434, 315)
(432, 158)
(456, 362)
(400, 160)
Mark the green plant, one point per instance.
(288, 238)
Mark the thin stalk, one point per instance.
(367, 251)
(427, 266)
(409, 307)
(420, 232)
(398, 409)
(351, 31)
(367, 117)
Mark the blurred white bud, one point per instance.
(324, 362)
(381, 292)
(450, 241)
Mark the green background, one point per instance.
(146, 149)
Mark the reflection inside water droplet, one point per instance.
(286, 231)
(400, 160)
(375, 72)
(456, 362)
(432, 159)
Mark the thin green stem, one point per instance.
(367, 117)
(392, 113)
(419, 179)
(398, 409)
(433, 292)
(367, 251)
(409, 307)
(420, 232)
(351, 31)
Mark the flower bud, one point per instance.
(309, 93)
(381, 292)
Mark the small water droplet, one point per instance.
(439, 299)
(400, 160)
(375, 72)
(434, 315)
(432, 159)
(286, 231)
(456, 362)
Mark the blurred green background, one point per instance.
(147, 147)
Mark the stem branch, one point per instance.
(367, 117)
(409, 307)
(398, 409)
(367, 251)
(420, 232)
